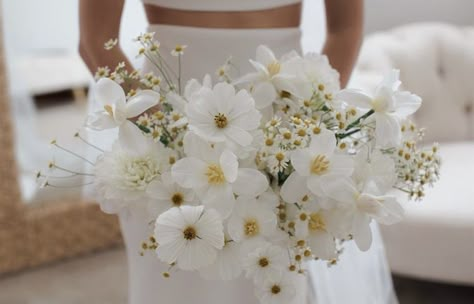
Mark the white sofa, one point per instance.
(436, 241)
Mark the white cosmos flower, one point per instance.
(214, 173)
(251, 221)
(123, 174)
(278, 289)
(116, 107)
(319, 162)
(266, 261)
(389, 104)
(192, 87)
(222, 115)
(189, 236)
(165, 194)
(361, 208)
(228, 264)
(311, 224)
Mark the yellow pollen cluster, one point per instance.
(251, 227)
(109, 110)
(263, 262)
(316, 222)
(215, 175)
(273, 68)
(280, 156)
(189, 233)
(276, 289)
(177, 199)
(320, 164)
(220, 120)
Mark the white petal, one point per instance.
(294, 188)
(355, 98)
(132, 140)
(406, 103)
(323, 143)
(322, 245)
(362, 232)
(210, 228)
(264, 95)
(229, 165)
(191, 214)
(227, 265)
(339, 188)
(221, 198)
(169, 253)
(141, 102)
(225, 93)
(250, 182)
(388, 132)
(341, 165)
(176, 101)
(238, 135)
(195, 255)
(301, 161)
(158, 190)
(108, 92)
(100, 120)
(265, 55)
(189, 172)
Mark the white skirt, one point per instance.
(359, 278)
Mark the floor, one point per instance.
(101, 279)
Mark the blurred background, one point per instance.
(432, 41)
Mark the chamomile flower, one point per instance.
(110, 44)
(178, 50)
(189, 236)
(222, 115)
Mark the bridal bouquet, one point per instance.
(256, 175)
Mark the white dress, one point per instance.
(359, 278)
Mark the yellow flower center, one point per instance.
(280, 156)
(276, 289)
(274, 68)
(109, 110)
(251, 227)
(263, 262)
(220, 120)
(189, 233)
(177, 199)
(215, 175)
(316, 222)
(320, 164)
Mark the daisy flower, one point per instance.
(222, 115)
(390, 106)
(319, 163)
(189, 236)
(178, 50)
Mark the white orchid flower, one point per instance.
(117, 110)
(389, 105)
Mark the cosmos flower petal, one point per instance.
(141, 102)
(189, 172)
(108, 92)
(265, 55)
(250, 182)
(264, 95)
(362, 232)
(229, 165)
(294, 188)
(196, 255)
(301, 161)
(388, 131)
(100, 120)
(355, 98)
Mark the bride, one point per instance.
(215, 30)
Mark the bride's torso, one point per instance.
(208, 47)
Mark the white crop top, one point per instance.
(221, 5)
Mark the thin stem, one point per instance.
(74, 154)
(48, 184)
(88, 143)
(179, 73)
(70, 171)
(358, 120)
(344, 135)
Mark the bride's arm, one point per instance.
(99, 21)
(344, 20)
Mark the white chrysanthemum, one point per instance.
(265, 261)
(165, 194)
(278, 289)
(319, 163)
(116, 107)
(222, 115)
(189, 236)
(214, 173)
(123, 174)
(228, 264)
(389, 104)
(251, 220)
(361, 208)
